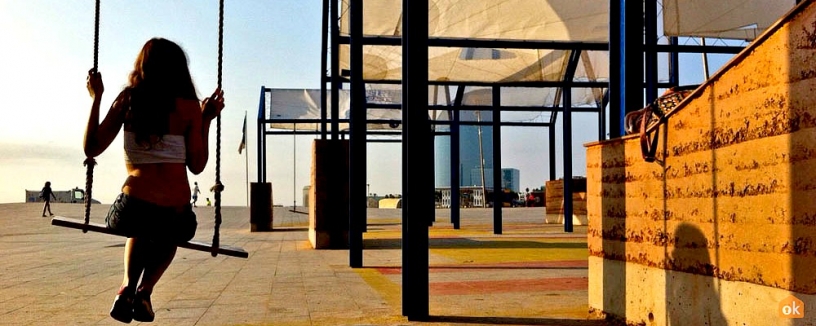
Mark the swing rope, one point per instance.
(96, 38)
(218, 186)
(90, 162)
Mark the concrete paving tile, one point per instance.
(245, 300)
(180, 322)
(74, 276)
(179, 304)
(165, 312)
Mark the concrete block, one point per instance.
(328, 195)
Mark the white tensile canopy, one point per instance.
(515, 20)
(729, 19)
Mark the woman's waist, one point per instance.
(164, 189)
(139, 203)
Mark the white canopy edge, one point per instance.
(729, 19)
(304, 104)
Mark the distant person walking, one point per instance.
(46, 194)
(209, 203)
(196, 191)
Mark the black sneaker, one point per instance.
(122, 309)
(142, 308)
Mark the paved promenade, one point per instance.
(532, 274)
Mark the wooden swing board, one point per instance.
(101, 228)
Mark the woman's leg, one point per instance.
(136, 253)
(161, 256)
(156, 264)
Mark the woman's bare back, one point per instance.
(166, 184)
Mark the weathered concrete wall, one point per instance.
(328, 195)
(392, 203)
(554, 202)
(722, 228)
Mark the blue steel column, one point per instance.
(626, 54)
(616, 42)
(674, 62)
(626, 27)
(498, 193)
(261, 137)
(324, 42)
(625, 94)
(569, 75)
(456, 178)
(335, 71)
(650, 60)
(417, 140)
(567, 128)
(357, 139)
(551, 141)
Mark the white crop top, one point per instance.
(171, 149)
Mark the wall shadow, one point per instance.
(801, 123)
(612, 231)
(691, 297)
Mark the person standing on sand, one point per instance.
(196, 191)
(46, 194)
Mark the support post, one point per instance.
(456, 177)
(551, 148)
(324, 49)
(567, 128)
(260, 211)
(650, 55)
(418, 194)
(498, 191)
(335, 71)
(357, 138)
(261, 136)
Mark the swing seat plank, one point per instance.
(101, 228)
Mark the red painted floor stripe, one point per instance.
(566, 264)
(527, 285)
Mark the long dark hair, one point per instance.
(160, 76)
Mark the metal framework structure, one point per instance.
(632, 83)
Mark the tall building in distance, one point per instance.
(471, 153)
(510, 179)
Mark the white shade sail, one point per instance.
(730, 19)
(512, 20)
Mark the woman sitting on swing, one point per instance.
(166, 130)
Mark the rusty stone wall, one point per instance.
(735, 164)
(554, 197)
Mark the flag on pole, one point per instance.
(243, 137)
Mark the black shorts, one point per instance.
(136, 218)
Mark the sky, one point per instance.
(48, 49)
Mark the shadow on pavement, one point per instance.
(515, 321)
(464, 243)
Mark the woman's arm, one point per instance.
(99, 136)
(199, 133)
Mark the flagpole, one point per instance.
(246, 162)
